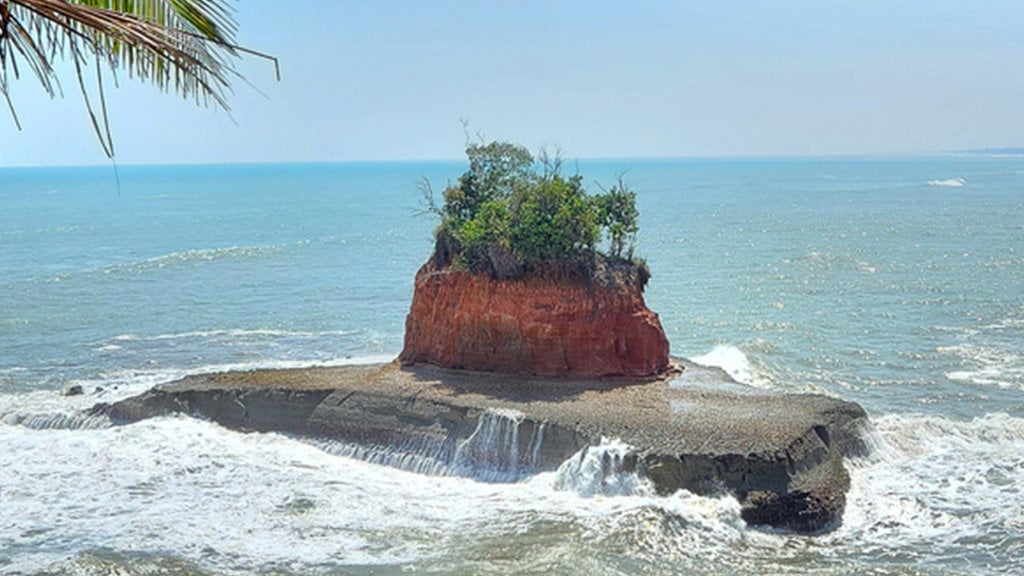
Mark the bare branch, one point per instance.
(429, 202)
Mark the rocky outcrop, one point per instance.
(540, 324)
(780, 455)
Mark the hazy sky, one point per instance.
(391, 80)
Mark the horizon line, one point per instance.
(1002, 152)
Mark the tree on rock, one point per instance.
(509, 213)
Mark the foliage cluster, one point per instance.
(509, 212)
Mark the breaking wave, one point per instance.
(952, 487)
(735, 363)
(950, 183)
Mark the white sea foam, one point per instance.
(173, 483)
(949, 183)
(951, 487)
(177, 483)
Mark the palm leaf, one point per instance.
(184, 46)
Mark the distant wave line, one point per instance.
(175, 258)
(234, 332)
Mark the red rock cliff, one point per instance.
(532, 325)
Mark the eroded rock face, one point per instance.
(535, 325)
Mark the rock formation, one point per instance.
(780, 455)
(548, 322)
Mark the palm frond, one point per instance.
(182, 46)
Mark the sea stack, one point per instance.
(533, 276)
(551, 321)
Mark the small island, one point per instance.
(527, 344)
(517, 284)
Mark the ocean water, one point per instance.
(894, 282)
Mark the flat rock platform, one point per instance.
(695, 428)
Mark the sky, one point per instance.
(394, 79)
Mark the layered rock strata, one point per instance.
(538, 325)
(780, 455)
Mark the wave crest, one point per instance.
(949, 183)
(735, 363)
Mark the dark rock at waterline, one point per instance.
(74, 390)
(780, 455)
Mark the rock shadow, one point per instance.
(518, 388)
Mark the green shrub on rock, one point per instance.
(504, 217)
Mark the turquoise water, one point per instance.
(897, 283)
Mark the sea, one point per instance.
(894, 282)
